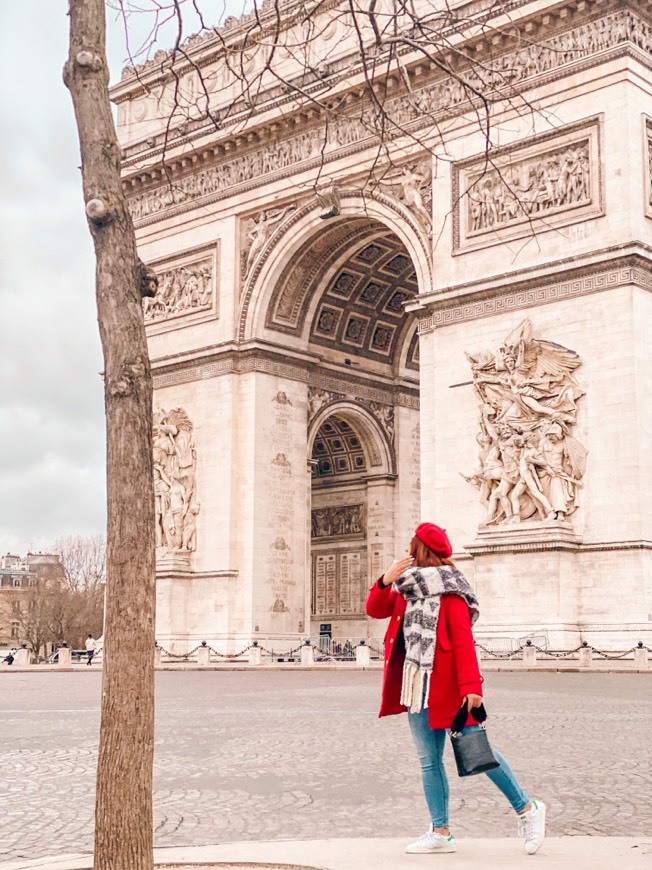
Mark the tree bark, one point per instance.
(123, 812)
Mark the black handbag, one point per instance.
(472, 751)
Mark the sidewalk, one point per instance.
(544, 666)
(568, 853)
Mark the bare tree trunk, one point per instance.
(123, 814)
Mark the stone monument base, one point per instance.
(539, 580)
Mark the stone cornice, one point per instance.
(485, 50)
(269, 362)
(472, 301)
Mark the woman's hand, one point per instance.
(396, 569)
(473, 701)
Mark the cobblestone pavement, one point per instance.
(268, 754)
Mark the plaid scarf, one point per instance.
(422, 589)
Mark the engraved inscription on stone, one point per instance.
(338, 588)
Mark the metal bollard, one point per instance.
(307, 655)
(158, 652)
(64, 660)
(255, 654)
(529, 655)
(362, 655)
(203, 655)
(586, 656)
(640, 656)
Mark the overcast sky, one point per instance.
(51, 407)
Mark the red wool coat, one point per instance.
(455, 672)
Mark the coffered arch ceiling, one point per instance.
(345, 291)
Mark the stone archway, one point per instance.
(353, 482)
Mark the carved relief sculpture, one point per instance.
(529, 465)
(174, 481)
(317, 398)
(258, 231)
(412, 185)
(553, 180)
(329, 522)
(181, 290)
(445, 96)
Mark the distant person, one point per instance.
(431, 669)
(91, 646)
(11, 655)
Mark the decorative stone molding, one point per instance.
(550, 181)
(347, 135)
(187, 290)
(285, 310)
(338, 522)
(479, 303)
(535, 537)
(175, 463)
(648, 166)
(529, 465)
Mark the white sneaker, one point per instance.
(431, 842)
(532, 826)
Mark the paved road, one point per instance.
(265, 755)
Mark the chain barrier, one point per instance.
(560, 654)
(346, 652)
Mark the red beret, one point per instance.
(434, 538)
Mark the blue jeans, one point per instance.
(429, 743)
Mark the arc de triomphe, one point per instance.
(461, 342)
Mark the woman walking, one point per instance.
(431, 668)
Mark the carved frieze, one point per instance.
(530, 467)
(340, 521)
(551, 181)
(446, 96)
(187, 291)
(175, 463)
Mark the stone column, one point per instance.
(23, 657)
(529, 656)
(585, 657)
(203, 655)
(255, 655)
(64, 660)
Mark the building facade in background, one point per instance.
(343, 347)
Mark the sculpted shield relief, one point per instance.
(530, 465)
